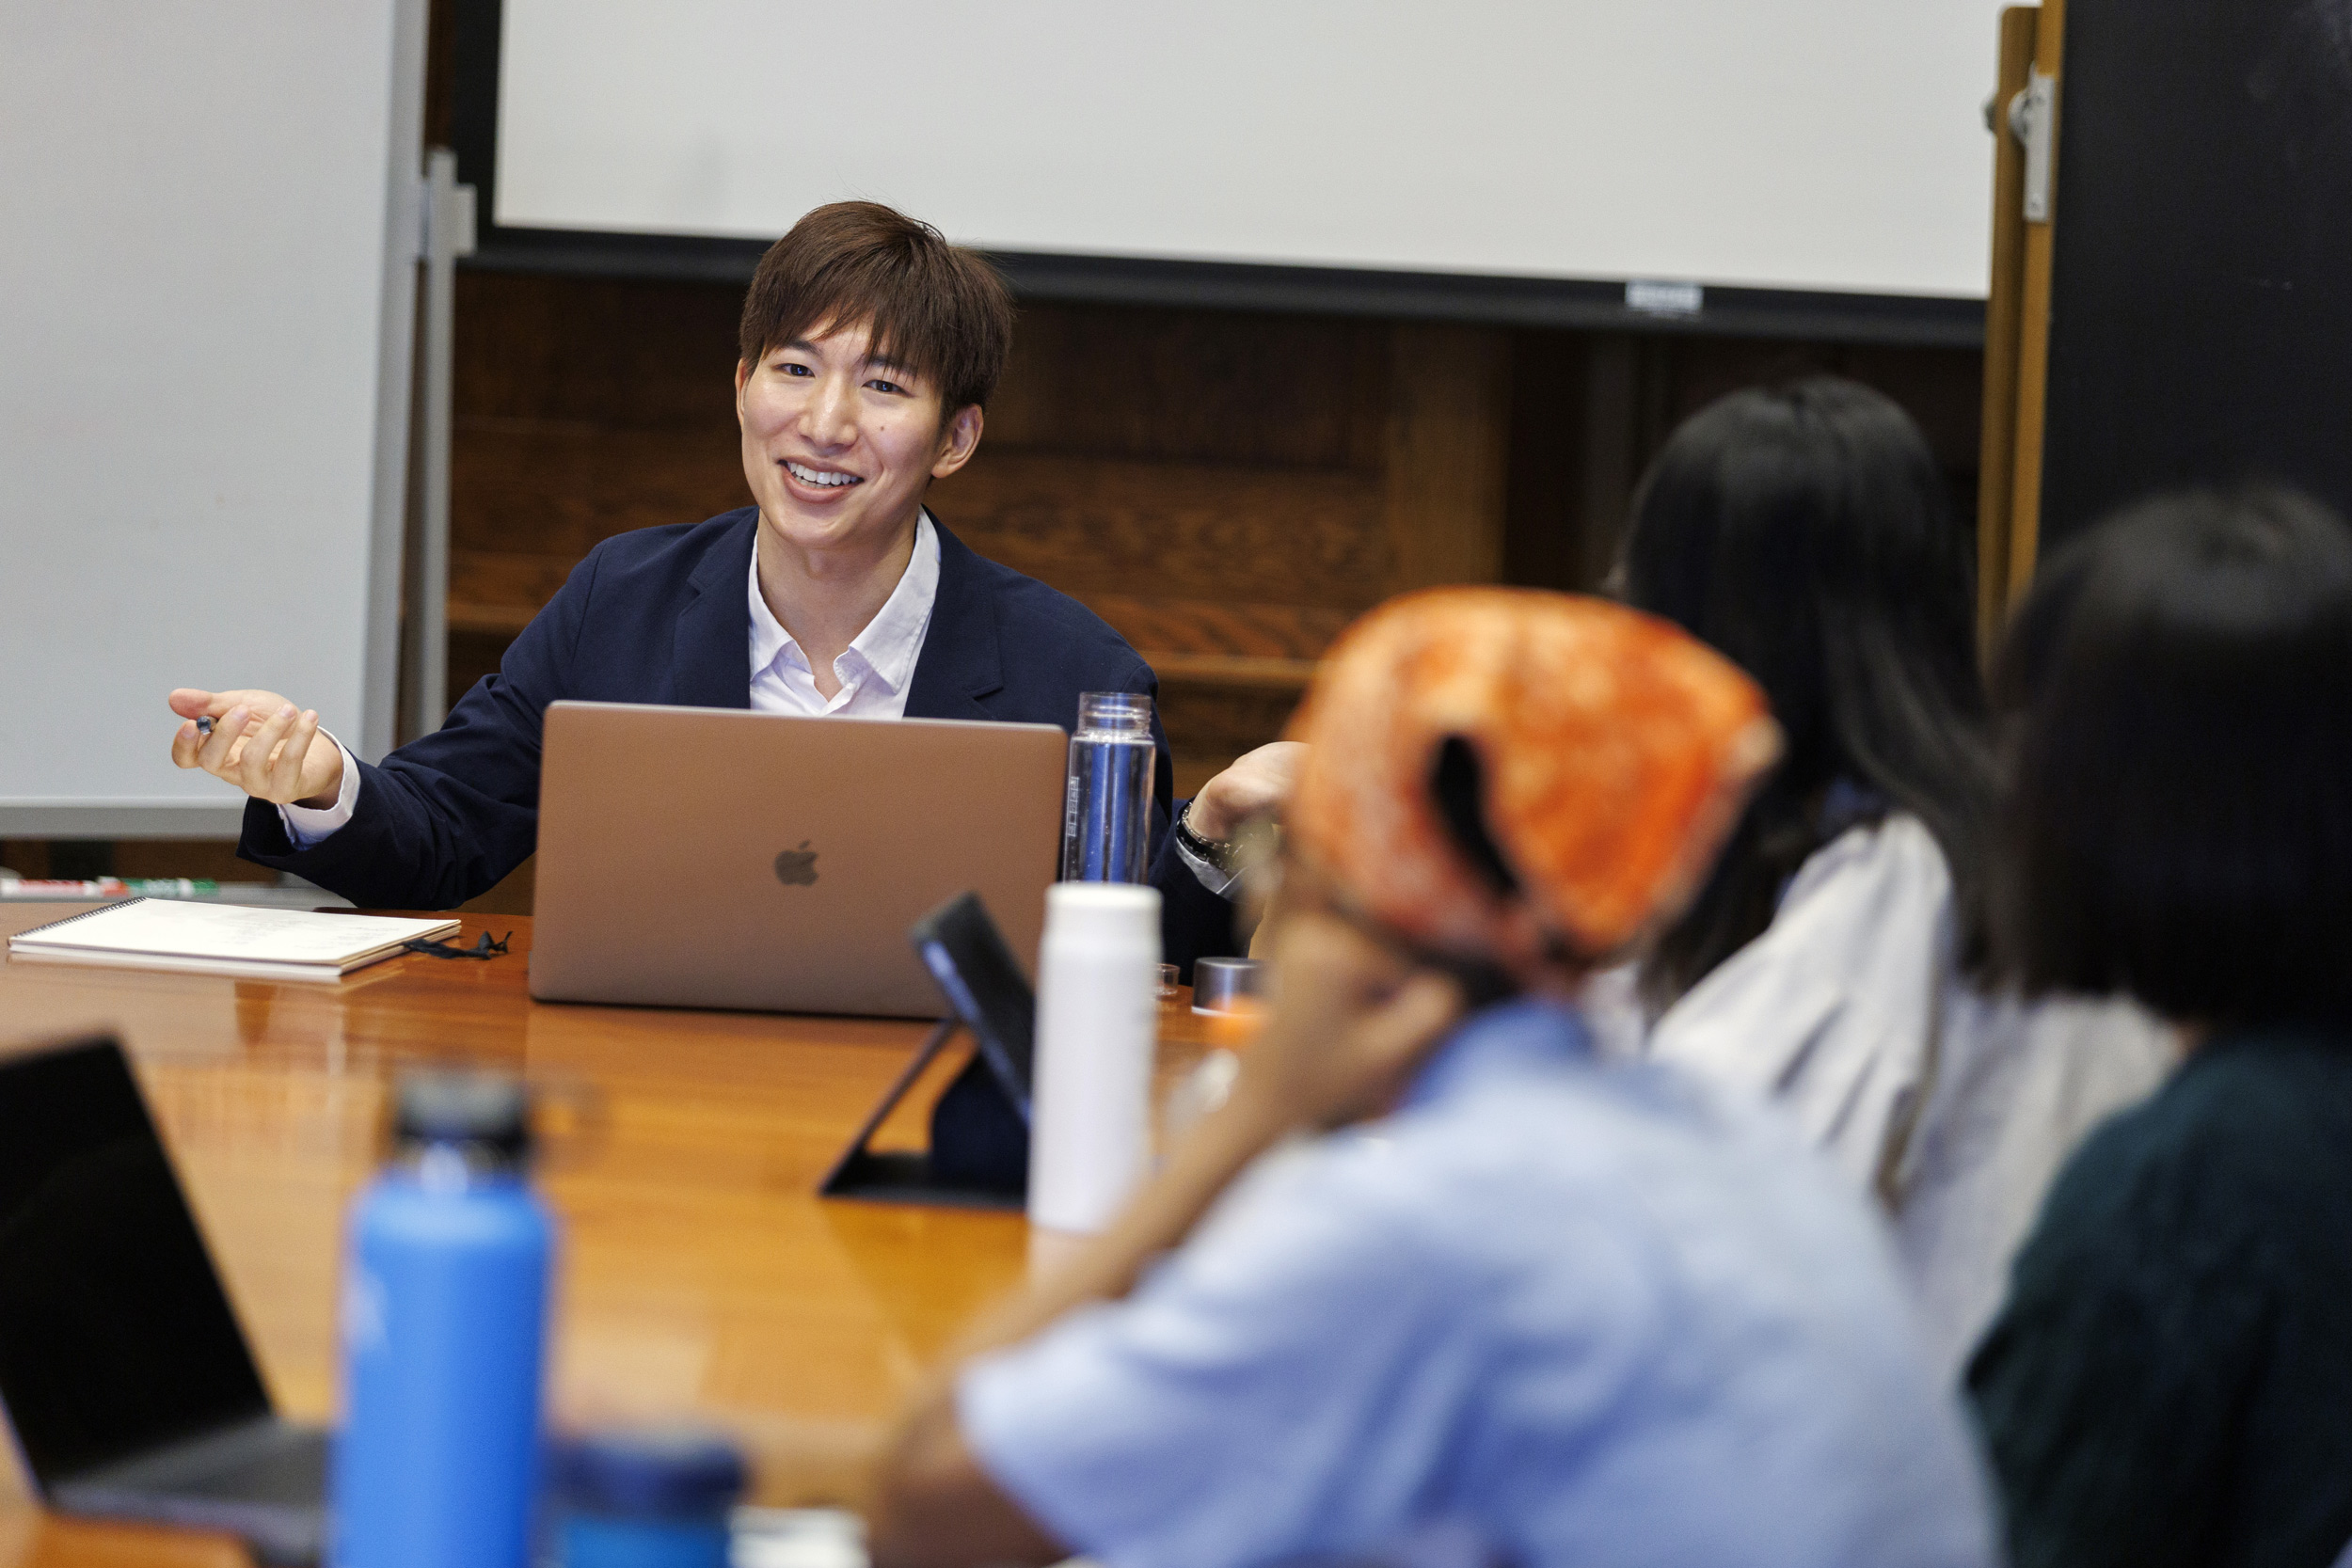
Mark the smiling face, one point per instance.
(839, 446)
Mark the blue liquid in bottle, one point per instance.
(444, 1338)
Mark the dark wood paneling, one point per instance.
(1264, 631)
(1190, 530)
(1446, 435)
(1219, 719)
(533, 488)
(605, 352)
(1542, 520)
(498, 591)
(1217, 388)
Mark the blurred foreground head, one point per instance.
(2178, 815)
(1521, 782)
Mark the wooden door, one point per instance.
(2017, 323)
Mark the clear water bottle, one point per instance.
(444, 1332)
(1106, 818)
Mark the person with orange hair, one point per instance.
(1437, 1284)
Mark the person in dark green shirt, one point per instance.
(2170, 1379)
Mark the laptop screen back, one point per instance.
(790, 878)
(115, 1335)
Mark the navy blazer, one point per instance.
(659, 615)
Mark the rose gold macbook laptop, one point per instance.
(715, 858)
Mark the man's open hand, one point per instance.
(261, 744)
(1257, 784)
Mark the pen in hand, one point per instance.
(295, 761)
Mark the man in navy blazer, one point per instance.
(869, 347)
(459, 808)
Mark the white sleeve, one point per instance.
(1826, 1013)
(308, 827)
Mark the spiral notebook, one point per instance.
(223, 939)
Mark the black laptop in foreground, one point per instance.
(128, 1384)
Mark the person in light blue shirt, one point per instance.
(1447, 1289)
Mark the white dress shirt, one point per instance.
(878, 665)
(1953, 1108)
(873, 672)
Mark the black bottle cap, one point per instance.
(486, 1113)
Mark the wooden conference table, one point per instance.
(699, 1275)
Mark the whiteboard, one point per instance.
(1834, 145)
(206, 303)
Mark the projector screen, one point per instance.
(1811, 144)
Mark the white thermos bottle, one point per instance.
(1097, 1019)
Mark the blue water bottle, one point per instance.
(444, 1335)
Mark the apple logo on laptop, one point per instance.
(797, 867)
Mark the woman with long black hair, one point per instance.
(1804, 532)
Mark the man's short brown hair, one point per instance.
(938, 308)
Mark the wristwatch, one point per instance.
(1212, 862)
